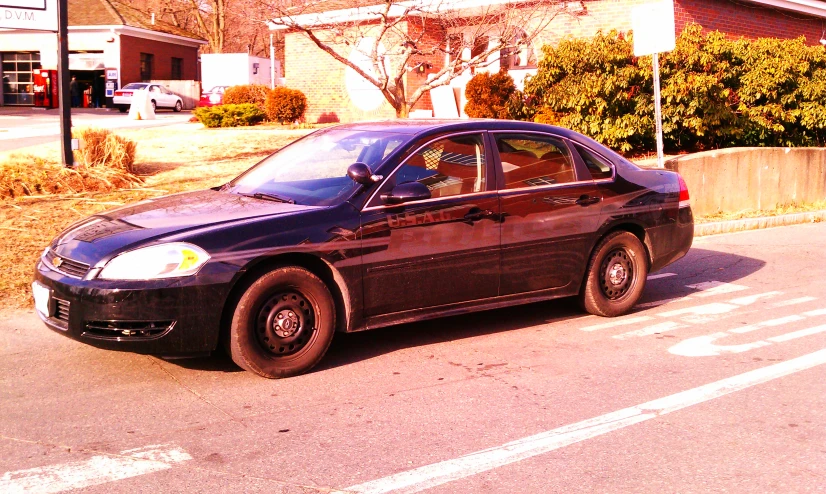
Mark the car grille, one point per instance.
(127, 330)
(61, 310)
(67, 266)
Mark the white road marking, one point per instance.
(657, 303)
(702, 310)
(649, 330)
(797, 334)
(705, 346)
(711, 288)
(97, 470)
(660, 275)
(425, 477)
(794, 301)
(617, 322)
(754, 298)
(765, 324)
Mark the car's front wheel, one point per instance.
(178, 106)
(283, 324)
(616, 275)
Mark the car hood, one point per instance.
(93, 238)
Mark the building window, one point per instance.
(518, 54)
(177, 69)
(17, 77)
(147, 60)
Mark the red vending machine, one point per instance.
(45, 88)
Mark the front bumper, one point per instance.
(170, 317)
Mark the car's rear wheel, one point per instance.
(283, 324)
(122, 109)
(178, 106)
(616, 275)
(154, 105)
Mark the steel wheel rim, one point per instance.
(285, 324)
(616, 274)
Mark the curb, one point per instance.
(718, 227)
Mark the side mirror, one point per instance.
(360, 173)
(406, 192)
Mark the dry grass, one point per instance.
(102, 148)
(757, 213)
(169, 159)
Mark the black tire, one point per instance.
(122, 109)
(154, 106)
(616, 275)
(178, 107)
(283, 324)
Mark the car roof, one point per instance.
(431, 125)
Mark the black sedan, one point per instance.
(361, 226)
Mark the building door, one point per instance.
(18, 77)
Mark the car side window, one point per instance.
(597, 165)
(530, 160)
(154, 89)
(448, 167)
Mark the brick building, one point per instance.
(337, 93)
(105, 36)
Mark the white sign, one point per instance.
(39, 15)
(653, 25)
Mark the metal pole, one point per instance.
(657, 111)
(65, 97)
(272, 64)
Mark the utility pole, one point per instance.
(65, 97)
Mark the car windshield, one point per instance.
(313, 170)
(135, 85)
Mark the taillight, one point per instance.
(684, 199)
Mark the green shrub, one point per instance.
(285, 105)
(716, 92)
(248, 93)
(230, 115)
(488, 95)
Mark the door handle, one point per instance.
(476, 215)
(586, 200)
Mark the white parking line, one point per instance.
(702, 310)
(660, 275)
(624, 321)
(794, 301)
(649, 330)
(657, 303)
(754, 298)
(97, 470)
(712, 288)
(436, 474)
(765, 324)
(797, 334)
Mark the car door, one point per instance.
(551, 212)
(437, 251)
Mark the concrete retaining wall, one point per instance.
(737, 179)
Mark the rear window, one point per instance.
(597, 165)
(134, 85)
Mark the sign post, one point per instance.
(654, 33)
(47, 15)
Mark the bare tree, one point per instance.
(229, 26)
(400, 36)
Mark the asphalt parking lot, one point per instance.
(715, 383)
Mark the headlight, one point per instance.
(157, 261)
